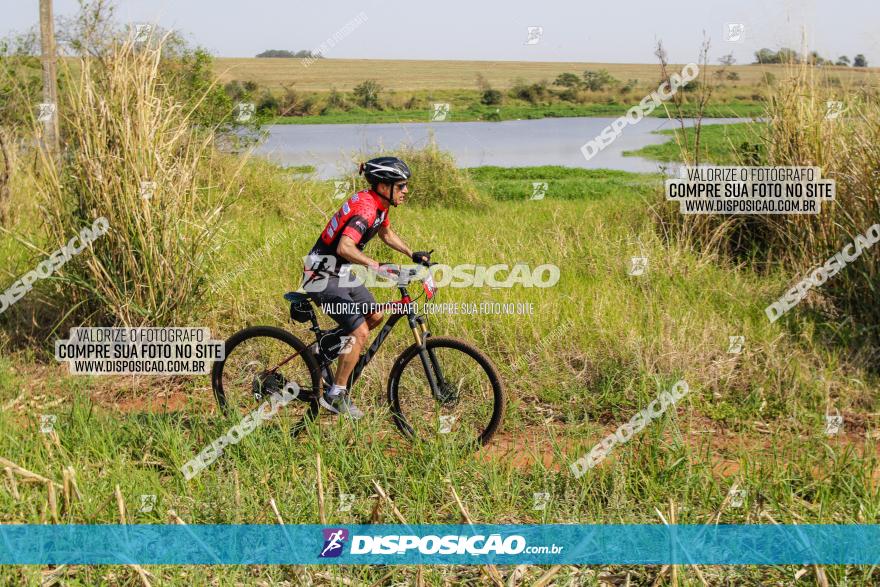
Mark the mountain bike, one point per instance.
(438, 386)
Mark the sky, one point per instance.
(585, 30)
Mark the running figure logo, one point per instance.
(334, 541)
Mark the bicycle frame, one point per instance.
(417, 324)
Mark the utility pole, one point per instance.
(50, 82)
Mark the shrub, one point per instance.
(292, 103)
(531, 93)
(268, 104)
(367, 93)
(336, 100)
(567, 80)
(569, 95)
(598, 80)
(436, 179)
(491, 97)
(412, 103)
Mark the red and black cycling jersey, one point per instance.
(359, 218)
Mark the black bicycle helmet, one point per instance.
(387, 170)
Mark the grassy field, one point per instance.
(721, 144)
(470, 111)
(753, 420)
(344, 74)
(321, 92)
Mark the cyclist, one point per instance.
(341, 244)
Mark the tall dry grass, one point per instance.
(126, 135)
(799, 132)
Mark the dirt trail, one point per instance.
(545, 445)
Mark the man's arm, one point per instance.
(390, 238)
(349, 251)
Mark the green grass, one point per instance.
(719, 143)
(566, 183)
(479, 112)
(760, 413)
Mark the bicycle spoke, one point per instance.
(461, 409)
(262, 369)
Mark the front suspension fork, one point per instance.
(427, 356)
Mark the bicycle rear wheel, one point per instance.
(469, 403)
(252, 374)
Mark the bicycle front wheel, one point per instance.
(449, 390)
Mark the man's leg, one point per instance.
(345, 364)
(359, 323)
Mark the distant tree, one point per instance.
(860, 61)
(843, 60)
(727, 60)
(567, 80)
(765, 56)
(303, 54)
(784, 55)
(816, 59)
(276, 53)
(367, 93)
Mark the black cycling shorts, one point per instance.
(348, 305)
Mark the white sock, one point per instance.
(336, 390)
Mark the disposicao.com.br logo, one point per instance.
(432, 544)
(334, 542)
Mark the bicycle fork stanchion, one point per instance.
(427, 357)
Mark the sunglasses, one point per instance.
(401, 186)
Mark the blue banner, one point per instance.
(436, 544)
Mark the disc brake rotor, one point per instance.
(448, 395)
